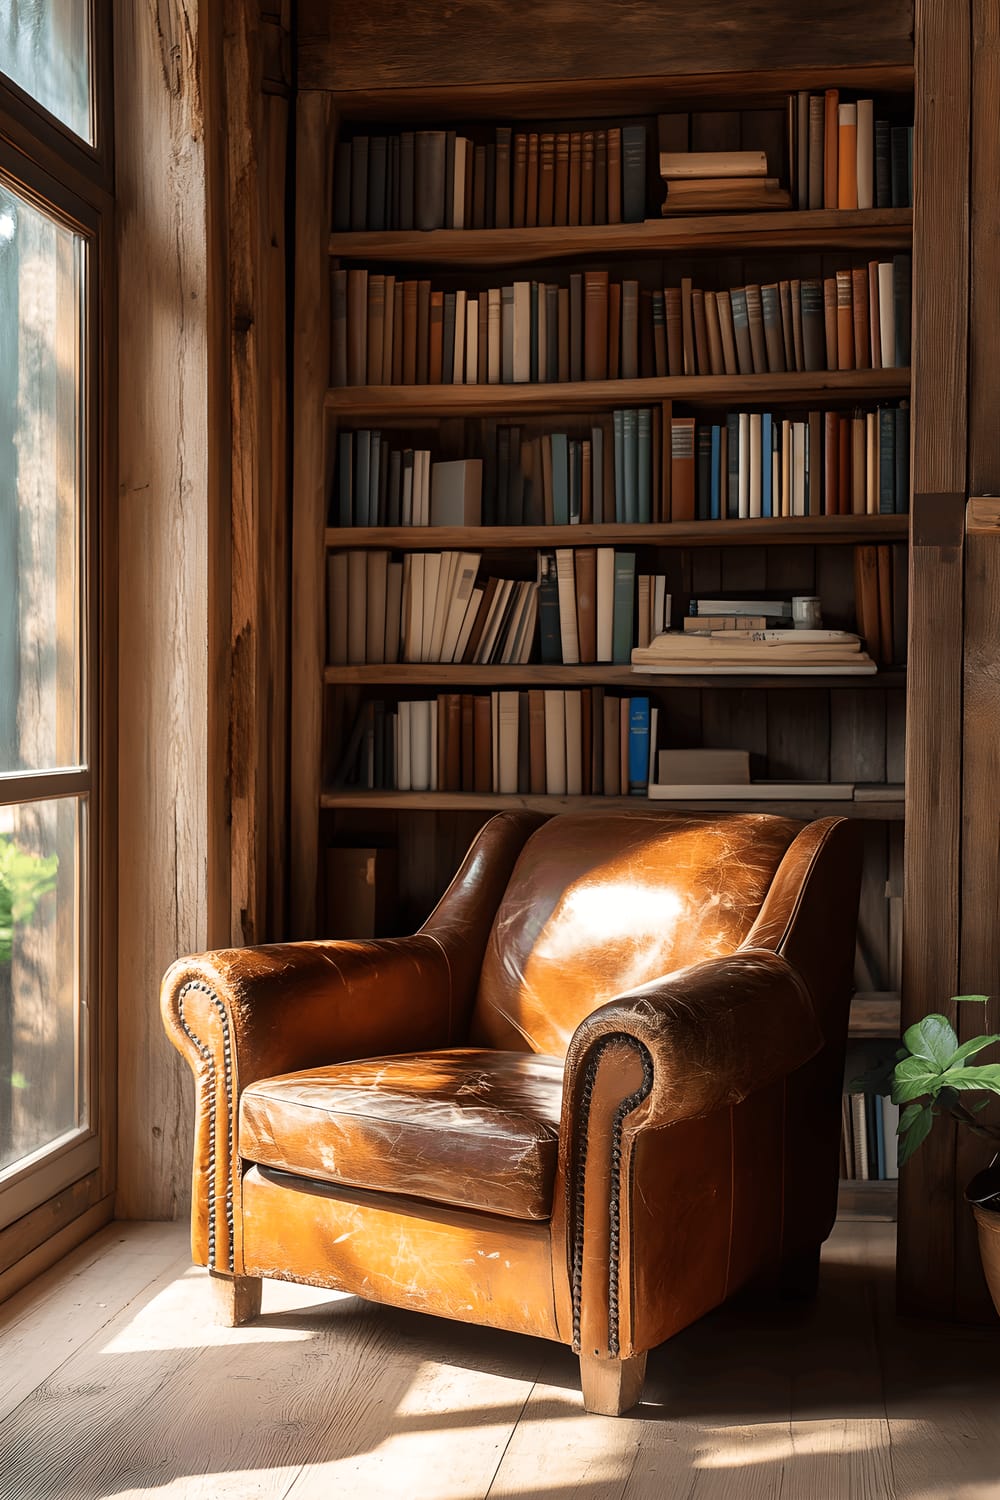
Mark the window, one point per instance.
(53, 248)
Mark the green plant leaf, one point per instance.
(981, 1076)
(918, 1129)
(933, 1038)
(907, 1117)
(912, 1077)
(974, 999)
(970, 1048)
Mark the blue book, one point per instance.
(645, 476)
(560, 479)
(623, 608)
(345, 478)
(618, 427)
(630, 427)
(638, 746)
(886, 461)
(766, 450)
(550, 640)
(715, 506)
(902, 443)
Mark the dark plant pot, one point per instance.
(988, 1224)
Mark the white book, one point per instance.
(472, 341)
(441, 603)
(404, 738)
(491, 629)
(405, 623)
(337, 607)
(377, 570)
(393, 610)
(415, 610)
(458, 191)
(555, 742)
(357, 594)
(521, 346)
(428, 600)
(661, 604)
(432, 723)
(772, 607)
(463, 582)
(475, 599)
(494, 336)
(798, 468)
(857, 666)
(458, 365)
(528, 627)
(420, 746)
(457, 492)
(507, 714)
(574, 742)
(511, 643)
(755, 465)
(605, 603)
(566, 586)
(744, 484)
(886, 315)
(890, 1123)
(866, 152)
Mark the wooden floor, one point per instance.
(112, 1384)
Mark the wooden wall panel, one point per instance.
(347, 47)
(926, 1262)
(166, 780)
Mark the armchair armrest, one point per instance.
(246, 1013)
(680, 1047)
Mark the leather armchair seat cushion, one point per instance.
(464, 1127)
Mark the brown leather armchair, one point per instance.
(593, 1096)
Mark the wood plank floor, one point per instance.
(112, 1384)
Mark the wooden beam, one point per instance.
(926, 1264)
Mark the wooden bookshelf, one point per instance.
(384, 404)
(779, 531)
(827, 229)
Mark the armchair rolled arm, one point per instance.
(713, 1033)
(677, 1048)
(240, 1014)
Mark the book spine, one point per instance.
(883, 165)
(624, 607)
(638, 747)
(633, 174)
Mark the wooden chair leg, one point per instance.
(235, 1299)
(611, 1386)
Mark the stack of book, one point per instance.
(441, 179)
(394, 332)
(556, 742)
(699, 182)
(745, 646)
(818, 463)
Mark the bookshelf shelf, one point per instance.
(496, 801)
(885, 228)
(875, 1013)
(790, 531)
(452, 675)
(399, 403)
(867, 1199)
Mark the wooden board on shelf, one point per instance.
(454, 675)
(782, 531)
(388, 403)
(875, 1013)
(867, 1199)
(496, 801)
(828, 229)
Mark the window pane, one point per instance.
(41, 311)
(42, 1045)
(45, 49)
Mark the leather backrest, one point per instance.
(599, 903)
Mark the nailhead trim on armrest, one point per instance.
(227, 1070)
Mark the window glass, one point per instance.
(45, 49)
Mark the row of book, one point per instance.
(868, 1147)
(586, 604)
(441, 179)
(554, 742)
(818, 463)
(400, 332)
(880, 600)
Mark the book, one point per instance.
(681, 164)
(638, 746)
(708, 767)
(456, 489)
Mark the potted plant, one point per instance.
(932, 1075)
